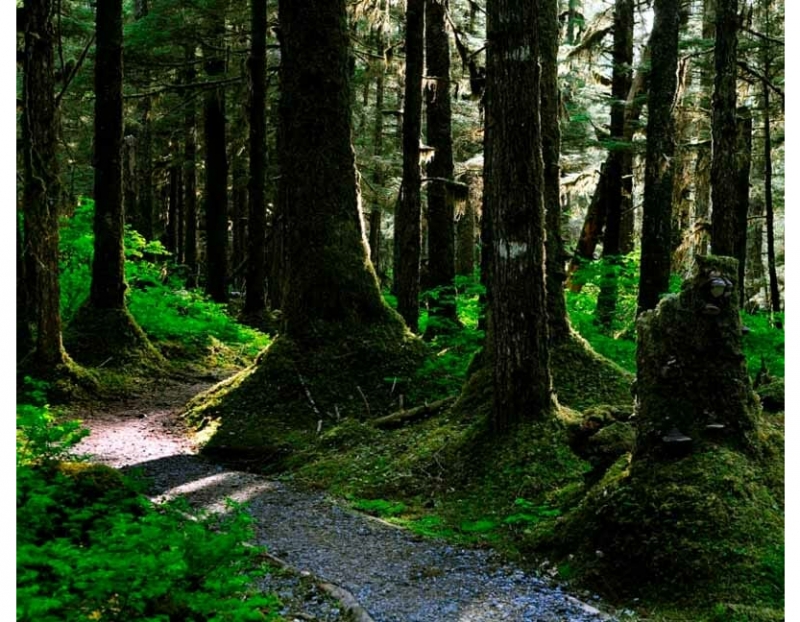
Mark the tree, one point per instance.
(441, 242)
(102, 329)
(725, 214)
(558, 325)
(216, 181)
(407, 212)
(513, 198)
(255, 297)
(619, 182)
(42, 190)
(657, 209)
(190, 171)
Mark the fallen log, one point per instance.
(398, 418)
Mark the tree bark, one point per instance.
(174, 213)
(41, 194)
(514, 200)
(143, 220)
(441, 230)
(724, 216)
(659, 171)
(330, 278)
(216, 181)
(407, 228)
(256, 296)
(774, 290)
(466, 225)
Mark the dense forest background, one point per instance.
(509, 273)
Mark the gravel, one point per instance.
(394, 574)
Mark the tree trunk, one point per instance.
(617, 171)
(407, 213)
(173, 214)
(774, 290)
(514, 200)
(593, 224)
(724, 216)
(143, 220)
(441, 230)
(41, 195)
(330, 278)
(466, 225)
(558, 324)
(375, 214)
(130, 196)
(702, 183)
(755, 252)
(216, 181)
(239, 205)
(659, 171)
(744, 146)
(256, 295)
(108, 265)
(190, 173)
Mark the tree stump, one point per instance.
(692, 384)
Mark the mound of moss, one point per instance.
(701, 530)
(111, 338)
(773, 395)
(299, 388)
(583, 378)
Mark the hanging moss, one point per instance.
(109, 337)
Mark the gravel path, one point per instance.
(395, 575)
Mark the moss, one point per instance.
(109, 338)
(696, 531)
(773, 395)
(582, 378)
(299, 388)
(93, 482)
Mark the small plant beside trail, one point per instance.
(91, 547)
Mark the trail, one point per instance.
(395, 575)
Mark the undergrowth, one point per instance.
(179, 320)
(90, 546)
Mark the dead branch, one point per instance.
(400, 417)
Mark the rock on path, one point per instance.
(395, 575)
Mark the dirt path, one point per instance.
(395, 575)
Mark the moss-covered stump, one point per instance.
(299, 388)
(692, 383)
(583, 378)
(601, 435)
(109, 337)
(694, 532)
(67, 382)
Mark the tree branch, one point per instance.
(75, 69)
(757, 74)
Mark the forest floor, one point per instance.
(393, 574)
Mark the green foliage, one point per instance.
(40, 437)
(766, 341)
(157, 297)
(380, 507)
(90, 547)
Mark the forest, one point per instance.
(400, 310)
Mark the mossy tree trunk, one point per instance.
(42, 191)
(618, 172)
(467, 223)
(441, 230)
(190, 172)
(173, 233)
(330, 278)
(216, 170)
(558, 325)
(774, 290)
(514, 200)
(407, 228)
(724, 216)
(256, 295)
(659, 170)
